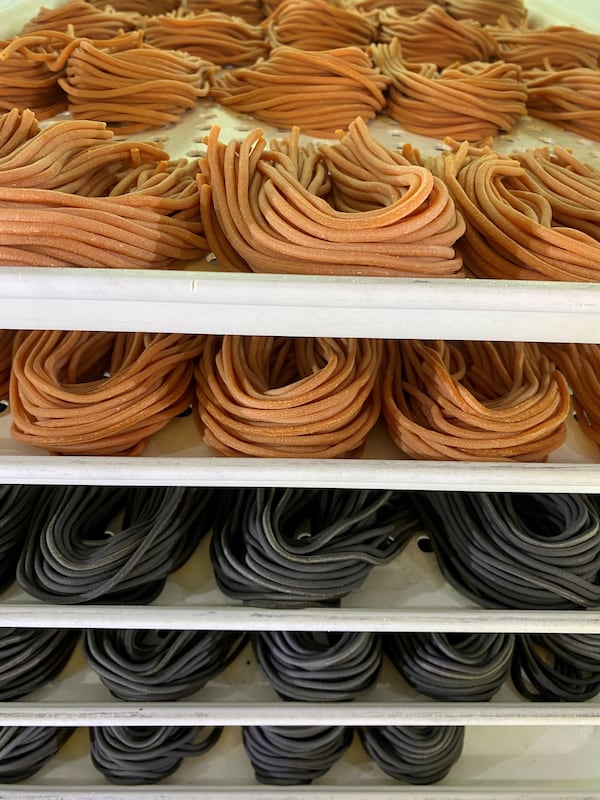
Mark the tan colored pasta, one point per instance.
(473, 401)
(305, 162)
(141, 7)
(571, 187)
(43, 227)
(468, 101)
(567, 98)
(54, 48)
(98, 393)
(32, 64)
(405, 8)
(509, 234)
(6, 350)
(133, 90)
(488, 12)
(279, 397)
(16, 127)
(580, 364)
(80, 18)
(75, 156)
(251, 11)
(434, 37)
(71, 196)
(27, 80)
(319, 92)
(318, 25)
(264, 212)
(212, 36)
(558, 46)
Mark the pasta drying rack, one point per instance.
(513, 748)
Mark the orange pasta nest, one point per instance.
(509, 232)
(571, 187)
(212, 35)
(283, 397)
(133, 90)
(317, 91)
(265, 210)
(468, 101)
(32, 65)
(70, 196)
(433, 36)
(98, 393)
(558, 46)
(568, 98)
(488, 12)
(318, 25)
(7, 339)
(580, 364)
(80, 18)
(54, 48)
(27, 76)
(74, 156)
(473, 401)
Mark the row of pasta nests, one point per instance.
(281, 21)
(108, 393)
(441, 33)
(72, 194)
(255, 11)
(357, 208)
(312, 64)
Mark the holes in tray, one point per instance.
(206, 115)
(424, 544)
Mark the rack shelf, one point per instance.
(261, 713)
(213, 302)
